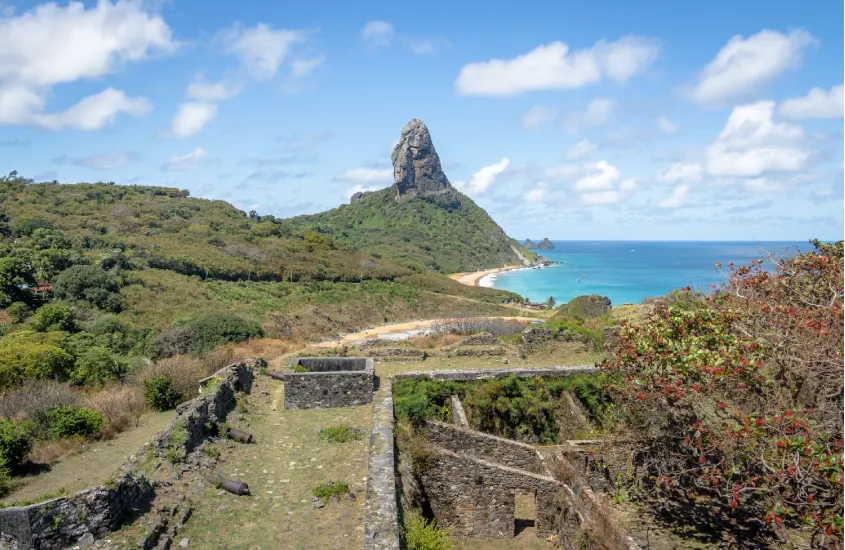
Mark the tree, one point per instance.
(550, 303)
(92, 284)
(15, 279)
(54, 318)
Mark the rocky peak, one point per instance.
(416, 165)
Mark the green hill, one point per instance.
(419, 232)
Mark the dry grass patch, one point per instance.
(436, 340)
(120, 404)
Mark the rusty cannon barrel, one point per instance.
(276, 375)
(235, 487)
(239, 435)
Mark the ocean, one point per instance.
(628, 271)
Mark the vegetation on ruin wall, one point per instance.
(524, 409)
(738, 395)
(418, 232)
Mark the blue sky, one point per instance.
(689, 120)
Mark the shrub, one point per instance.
(29, 400)
(91, 284)
(421, 398)
(25, 355)
(96, 366)
(342, 433)
(160, 394)
(465, 326)
(184, 373)
(18, 311)
(73, 421)
(204, 332)
(325, 491)
(424, 535)
(120, 404)
(15, 444)
(15, 280)
(54, 318)
(114, 333)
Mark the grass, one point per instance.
(91, 465)
(342, 433)
(329, 489)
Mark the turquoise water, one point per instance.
(628, 271)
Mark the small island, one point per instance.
(545, 244)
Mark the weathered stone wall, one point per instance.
(320, 390)
(459, 416)
(381, 519)
(490, 374)
(476, 498)
(63, 522)
(91, 514)
(330, 364)
(480, 339)
(486, 447)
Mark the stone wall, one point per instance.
(490, 374)
(381, 517)
(476, 498)
(534, 338)
(91, 514)
(85, 516)
(459, 416)
(502, 451)
(320, 390)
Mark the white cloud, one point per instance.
(818, 103)
(538, 116)
(629, 185)
(423, 46)
(52, 44)
(484, 178)
(598, 112)
(377, 33)
(602, 175)
(261, 49)
(584, 148)
(554, 67)
(105, 161)
(744, 65)
(191, 118)
(678, 197)
(537, 193)
(753, 144)
(300, 68)
(208, 92)
(186, 162)
(600, 197)
(681, 172)
(667, 126)
(366, 175)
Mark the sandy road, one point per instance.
(392, 328)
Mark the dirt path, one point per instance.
(474, 278)
(391, 328)
(93, 464)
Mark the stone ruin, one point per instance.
(329, 382)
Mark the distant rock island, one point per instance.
(545, 244)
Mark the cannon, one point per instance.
(276, 375)
(235, 487)
(239, 435)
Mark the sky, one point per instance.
(587, 120)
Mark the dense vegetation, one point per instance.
(738, 396)
(419, 232)
(524, 409)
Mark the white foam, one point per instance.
(488, 281)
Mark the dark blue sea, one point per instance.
(628, 271)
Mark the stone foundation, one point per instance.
(329, 382)
(505, 452)
(490, 374)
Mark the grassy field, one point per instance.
(90, 465)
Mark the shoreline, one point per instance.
(474, 278)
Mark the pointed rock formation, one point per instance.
(416, 165)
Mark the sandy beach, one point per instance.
(474, 278)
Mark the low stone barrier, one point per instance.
(83, 517)
(490, 374)
(381, 519)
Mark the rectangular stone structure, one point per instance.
(329, 382)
